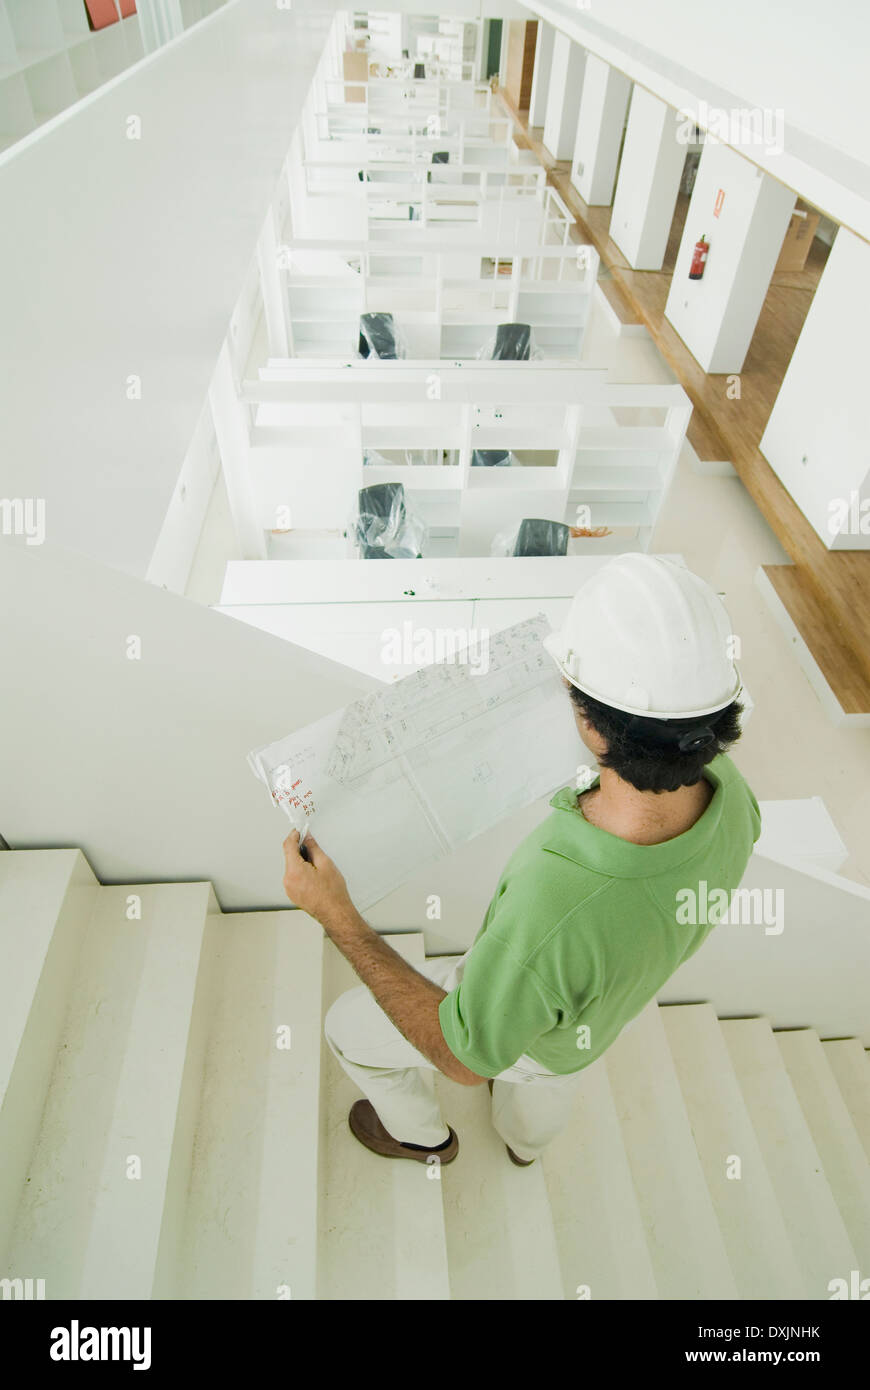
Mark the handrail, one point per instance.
(526, 264)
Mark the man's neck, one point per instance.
(644, 818)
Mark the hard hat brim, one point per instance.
(554, 645)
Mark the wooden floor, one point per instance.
(826, 593)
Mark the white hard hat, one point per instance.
(646, 636)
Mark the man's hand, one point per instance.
(316, 885)
(410, 1000)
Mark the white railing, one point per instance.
(558, 219)
(453, 132)
(513, 270)
(458, 182)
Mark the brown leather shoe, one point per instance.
(367, 1128)
(520, 1162)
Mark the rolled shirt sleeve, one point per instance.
(498, 1009)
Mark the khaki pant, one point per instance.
(530, 1105)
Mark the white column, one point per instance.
(159, 21)
(541, 73)
(503, 53)
(648, 182)
(816, 438)
(600, 124)
(716, 315)
(563, 97)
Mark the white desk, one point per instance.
(350, 610)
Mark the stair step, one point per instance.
(851, 1066)
(501, 1241)
(46, 900)
(841, 1151)
(599, 1230)
(759, 1250)
(250, 1224)
(812, 1218)
(685, 1243)
(124, 1085)
(382, 1220)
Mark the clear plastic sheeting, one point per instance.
(379, 337)
(439, 173)
(492, 458)
(384, 528)
(413, 458)
(532, 536)
(511, 342)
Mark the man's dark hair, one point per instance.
(655, 755)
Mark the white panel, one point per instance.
(716, 315)
(816, 438)
(648, 183)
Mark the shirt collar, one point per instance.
(572, 836)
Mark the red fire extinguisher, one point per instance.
(699, 259)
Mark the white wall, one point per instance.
(123, 257)
(541, 74)
(817, 439)
(141, 763)
(182, 527)
(648, 183)
(716, 316)
(600, 123)
(806, 61)
(563, 97)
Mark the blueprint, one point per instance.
(400, 777)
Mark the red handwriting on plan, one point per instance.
(300, 797)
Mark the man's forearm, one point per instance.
(408, 998)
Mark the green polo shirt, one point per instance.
(585, 928)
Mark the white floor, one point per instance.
(789, 748)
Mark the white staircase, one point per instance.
(173, 1125)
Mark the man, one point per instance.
(588, 921)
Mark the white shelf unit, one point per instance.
(447, 47)
(479, 138)
(307, 429)
(625, 458)
(447, 299)
(401, 101)
(49, 60)
(392, 197)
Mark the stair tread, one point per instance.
(851, 1066)
(163, 1046)
(827, 1115)
(94, 1231)
(816, 1229)
(490, 1256)
(46, 901)
(599, 1229)
(747, 1208)
(250, 1226)
(33, 885)
(685, 1242)
(382, 1227)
